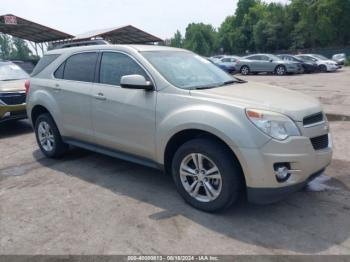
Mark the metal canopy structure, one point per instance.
(40, 35)
(120, 35)
(28, 30)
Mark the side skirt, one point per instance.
(114, 153)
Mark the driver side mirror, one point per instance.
(271, 60)
(136, 82)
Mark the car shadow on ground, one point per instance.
(306, 222)
(14, 128)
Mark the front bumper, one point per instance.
(13, 112)
(332, 68)
(271, 195)
(298, 152)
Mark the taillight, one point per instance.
(27, 86)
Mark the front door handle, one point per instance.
(100, 96)
(56, 88)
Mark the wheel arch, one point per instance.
(37, 110)
(280, 65)
(183, 136)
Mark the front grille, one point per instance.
(319, 142)
(13, 98)
(312, 119)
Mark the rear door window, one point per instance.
(43, 63)
(80, 67)
(264, 58)
(254, 57)
(115, 65)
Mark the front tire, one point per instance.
(280, 70)
(206, 176)
(245, 70)
(48, 137)
(323, 68)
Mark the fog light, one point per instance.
(282, 171)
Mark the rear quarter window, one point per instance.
(43, 63)
(80, 67)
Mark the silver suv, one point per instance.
(169, 108)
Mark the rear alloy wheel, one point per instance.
(280, 70)
(205, 175)
(48, 137)
(245, 70)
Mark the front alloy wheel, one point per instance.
(280, 70)
(200, 177)
(206, 174)
(245, 70)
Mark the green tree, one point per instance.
(226, 34)
(259, 26)
(21, 49)
(201, 38)
(243, 7)
(176, 41)
(5, 46)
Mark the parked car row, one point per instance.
(278, 64)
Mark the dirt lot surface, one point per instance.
(333, 89)
(88, 203)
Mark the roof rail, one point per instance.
(81, 43)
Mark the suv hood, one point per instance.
(12, 85)
(260, 96)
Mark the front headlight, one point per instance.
(273, 124)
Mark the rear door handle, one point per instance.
(100, 96)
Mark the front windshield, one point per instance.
(321, 57)
(10, 71)
(187, 70)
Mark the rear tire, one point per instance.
(48, 137)
(245, 70)
(198, 184)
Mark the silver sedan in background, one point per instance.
(266, 63)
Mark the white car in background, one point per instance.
(324, 64)
(227, 63)
(339, 58)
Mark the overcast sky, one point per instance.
(159, 17)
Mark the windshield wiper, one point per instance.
(205, 87)
(229, 82)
